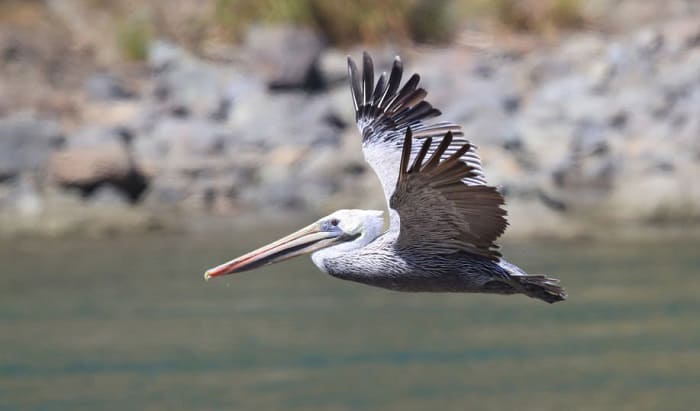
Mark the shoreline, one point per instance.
(138, 224)
(593, 135)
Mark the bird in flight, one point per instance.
(443, 217)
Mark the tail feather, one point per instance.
(539, 286)
(535, 286)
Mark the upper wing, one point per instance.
(384, 111)
(438, 212)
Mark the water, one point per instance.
(129, 324)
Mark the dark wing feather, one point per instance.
(438, 212)
(385, 109)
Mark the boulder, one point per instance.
(268, 120)
(26, 143)
(167, 192)
(109, 196)
(286, 56)
(106, 86)
(188, 86)
(89, 166)
(21, 194)
(94, 158)
(333, 65)
(182, 138)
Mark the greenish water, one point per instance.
(129, 324)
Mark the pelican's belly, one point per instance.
(413, 272)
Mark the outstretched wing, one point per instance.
(438, 212)
(385, 110)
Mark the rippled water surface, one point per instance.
(129, 324)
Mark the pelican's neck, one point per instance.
(319, 258)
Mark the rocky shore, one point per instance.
(594, 135)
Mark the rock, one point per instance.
(242, 87)
(188, 86)
(504, 168)
(276, 196)
(132, 113)
(20, 194)
(89, 166)
(668, 197)
(190, 90)
(108, 196)
(98, 156)
(333, 66)
(530, 218)
(286, 56)
(584, 175)
(96, 137)
(106, 86)
(163, 54)
(26, 143)
(649, 41)
(483, 114)
(166, 192)
(575, 134)
(267, 120)
(322, 165)
(339, 104)
(682, 35)
(177, 141)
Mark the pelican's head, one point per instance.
(343, 230)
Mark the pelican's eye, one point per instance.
(334, 222)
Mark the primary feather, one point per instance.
(449, 190)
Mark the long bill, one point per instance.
(304, 241)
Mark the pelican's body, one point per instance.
(443, 217)
(380, 264)
(375, 260)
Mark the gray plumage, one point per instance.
(444, 241)
(443, 217)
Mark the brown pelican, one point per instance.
(443, 217)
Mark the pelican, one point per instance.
(443, 217)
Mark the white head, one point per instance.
(341, 231)
(363, 225)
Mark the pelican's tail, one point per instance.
(538, 286)
(535, 286)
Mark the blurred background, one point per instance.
(142, 142)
